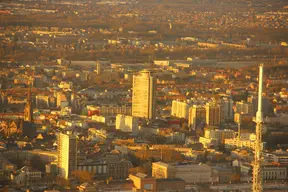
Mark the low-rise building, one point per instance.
(143, 182)
(26, 176)
(190, 173)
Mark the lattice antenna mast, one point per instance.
(257, 177)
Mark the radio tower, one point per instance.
(257, 177)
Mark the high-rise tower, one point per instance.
(67, 154)
(143, 99)
(197, 114)
(257, 178)
(213, 116)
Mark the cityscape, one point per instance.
(143, 96)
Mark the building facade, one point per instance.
(197, 115)
(180, 109)
(143, 98)
(67, 154)
(213, 116)
(243, 107)
(227, 108)
(190, 173)
(127, 123)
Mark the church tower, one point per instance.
(28, 111)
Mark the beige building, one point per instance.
(67, 154)
(180, 109)
(197, 114)
(213, 114)
(239, 143)
(143, 182)
(190, 173)
(127, 123)
(143, 99)
(109, 110)
(219, 134)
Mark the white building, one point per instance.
(127, 123)
(180, 109)
(67, 154)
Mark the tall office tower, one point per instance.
(257, 174)
(197, 115)
(67, 154)
(227, 107)
(212, 114)
(143, 99)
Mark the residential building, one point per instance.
(197, 115)
(108, 110)
(227, 108)
(242, 118)
(243, 107)
(253, 100)
(67, 154)
(127, 123)
(143, 182)
(219, 134)
(180, 109)
(213, 116)
(107, 166)
(143, 99)
(239, 143)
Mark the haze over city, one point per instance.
(143, 96)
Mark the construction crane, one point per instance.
(257, 177)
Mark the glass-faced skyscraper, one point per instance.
(143, 99)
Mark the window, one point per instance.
(148, 186)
